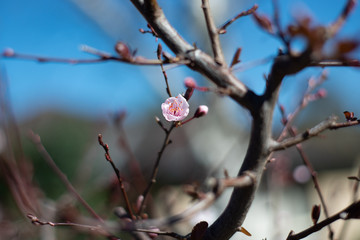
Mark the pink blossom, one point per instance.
(175, 108)
(202, 110)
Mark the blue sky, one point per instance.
(57, 28)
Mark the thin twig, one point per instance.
(339, 22)
(159, 52)
(280, 32)
(99, 229)
(117, 172)
(9, 53)
(314, 178)
(216, 188)
(345, 214)
(330, 123)
(138, 180)
(287, 121)
(336, 63)
(170, 234)
(222, 29)
(213, 34)
(306, 99)
(166, 142)
(40, 147)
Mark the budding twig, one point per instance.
(337, 63)
(159, 52)
(213, 34)
(222, 29)
(351, 211)
(117, 172)
(339, 22)
(49, 160)
(166, 142)
(102, 57)
(99, 229)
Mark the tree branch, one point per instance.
(102, 57)
(213, 34)
(316, 130)
(200, 61)
(329, 123)
(336, 63)
(351, 211)
(222, 29)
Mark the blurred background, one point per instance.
(68, 105)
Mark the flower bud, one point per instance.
(202, 110)
(191, 85)
(321, 93)
(189, 82)
(9, 52)
(123, 50)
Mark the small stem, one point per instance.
(186, 121)
(117, 172)
(40, 147)
(314, 178)
(213, 34)
(337, 63)
(156, 166)
(350, 212)
(314, 228)
(222, 29)
(159, 51)
(101, 58)
(278, 26)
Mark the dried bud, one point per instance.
(315, 213)
(199, 230)
(159, 51)
(202, 110)
(123, 50)
(345, 47)
(350, 116)
(190, 82)
(264, 22)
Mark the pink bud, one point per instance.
(190, 82)
(139, 201)
(153, 234)
(202, 110)
(8, 52)
(123, 50)
(321, 93)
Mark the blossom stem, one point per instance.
(166, 142)
(182, 123)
